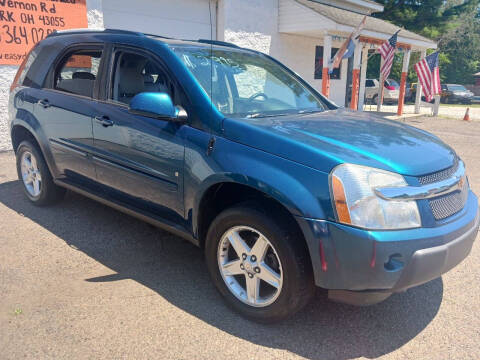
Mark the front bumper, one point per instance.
(348, 258)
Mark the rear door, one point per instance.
(139, 159)
(65, 107)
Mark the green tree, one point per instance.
(454, 24)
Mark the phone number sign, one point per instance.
(24, 23)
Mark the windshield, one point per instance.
(456, 88)
(391, 82)
(244, 84)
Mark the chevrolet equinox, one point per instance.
(230, 149)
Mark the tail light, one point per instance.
(390, 87)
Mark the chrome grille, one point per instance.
(439, 175)
(449, 204)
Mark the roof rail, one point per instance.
(217, 42)
(88, 31)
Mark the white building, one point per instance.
(293, 31)
(300, 33)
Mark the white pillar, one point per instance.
(436, 105)
(418, 94)
(403, 81)
(220, 17)
(356, 76)
(363, 77)
(380, 86)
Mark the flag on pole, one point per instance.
(429, 75)
(348, 47)
(387, 51)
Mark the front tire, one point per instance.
(36, 179)
(260, 266)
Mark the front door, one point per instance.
(65, 108)
(139, 160)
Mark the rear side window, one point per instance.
(370, 83)
(21, 76)
(77, 72)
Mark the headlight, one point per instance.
(356, 203)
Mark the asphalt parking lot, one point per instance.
(80, 281)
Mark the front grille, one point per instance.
(449, 204)
(439, 175)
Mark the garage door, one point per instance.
(183, 19)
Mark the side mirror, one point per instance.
(158, 106)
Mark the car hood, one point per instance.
(324, 140)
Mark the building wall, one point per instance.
(248, 23)
(474, 88)
(183, 19)
(7, 73)
(257, 29)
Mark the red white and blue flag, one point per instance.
(348, 47)
(429, 75)
(387, 51)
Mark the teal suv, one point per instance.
(230, 149)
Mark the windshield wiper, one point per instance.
(309, 111)
(261, 115)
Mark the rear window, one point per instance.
(77, 72)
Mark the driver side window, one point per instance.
(133, 74)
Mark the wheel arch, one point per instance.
(220, 195)
(26, 127)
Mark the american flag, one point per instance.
(387, 51)
(429, 75)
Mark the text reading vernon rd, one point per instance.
(24, 23)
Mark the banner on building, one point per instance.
(24, 23)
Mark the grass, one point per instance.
(17, 312)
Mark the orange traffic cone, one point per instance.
(467, 115)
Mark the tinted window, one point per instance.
(369, 83)
(134, 74)
(77, 72)
(21, 76)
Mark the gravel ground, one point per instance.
(80, 280)
(455, 112)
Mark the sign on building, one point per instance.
(24, 23)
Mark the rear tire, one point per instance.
(375, 100)
(293, 285)
(35, 176)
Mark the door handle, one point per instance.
(44, 103)
(104, 120)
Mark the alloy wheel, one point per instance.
(31, 176)
(250, 266)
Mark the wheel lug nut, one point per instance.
(254, 258)
(244, 256)
(257, 269)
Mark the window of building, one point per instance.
(319, 63)
(77, 72)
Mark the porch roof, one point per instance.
(337, 20)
